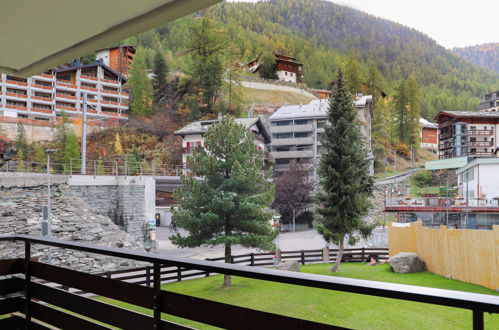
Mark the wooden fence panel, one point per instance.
(468, 255)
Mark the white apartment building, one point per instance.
(296, 131)
(193, 135)
(43, 97)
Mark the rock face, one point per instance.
(291, 265)
(406, 262)
(72, 220)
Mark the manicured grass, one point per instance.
(338, 308)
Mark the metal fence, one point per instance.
(96, 167)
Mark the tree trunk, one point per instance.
(228, 256)
(339, 256)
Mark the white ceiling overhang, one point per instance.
(36, 35)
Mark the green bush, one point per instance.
(422, 179)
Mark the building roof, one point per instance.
(39, 35)
(201, 126)
(476, 162)
(78, 65)
(116, 47)
(468, 114)
(425, 123)
(443, 164)
(315, 109)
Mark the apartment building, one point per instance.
(193, 136)
(44, 97)
(490, 102)
(296, 130)
(467, 133)
(118, 58)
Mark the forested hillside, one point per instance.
(325, 36)
(486, 55)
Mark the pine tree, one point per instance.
(194, 108)
(232, 81)
(40, 157)
(20, 143)
(414, 112)
(141, 90)
(344, 180)
(353, 76)
(268, 66)
(63, 128)
(231, 205)
(401, 113)
(160, 71)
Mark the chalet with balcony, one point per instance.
(287, 68)
(467, 133)
(428, 135)
(45, 96)
(117, 58)
(490, 102)
(193, 135)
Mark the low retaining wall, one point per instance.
(463, 254)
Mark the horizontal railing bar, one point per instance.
(11, 285)
(127, 292)
(11, 305)
(11, 266)
(473, 301)
(215, 313)
(61, 319)
(94, 309)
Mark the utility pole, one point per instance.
(47, 231)
(84, 136)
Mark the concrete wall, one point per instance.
(33, 133)
(127, 201)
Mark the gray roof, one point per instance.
(315, 109)
(475, 114)
(201, 126)
(425, 123)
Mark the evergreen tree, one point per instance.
(63, 129)
(344, 180)
(207, 47)
(400, 111)
(20, 143)
(160, 71)
(268, 66)
(414, 112)
(194, 108)
(353, 76)
(231, 205)
(40, 157)
(141, 90)
(232, 81)
(71, 153)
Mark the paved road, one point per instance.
(395, 179)
(286, 241)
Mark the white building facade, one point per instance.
(479, 179)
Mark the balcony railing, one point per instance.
(480, 132)
(37, 304)
(480, 144)
(442, 202)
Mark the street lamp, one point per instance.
(46, 230)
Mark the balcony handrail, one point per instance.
(477, 303)
(468, 300)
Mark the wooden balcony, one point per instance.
(17, 107)
(47, 111)
(17, 83)
(49, 88)
(83, 76)
(22, 96)
(33, 297)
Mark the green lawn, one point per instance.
(417, 191)
(338, 308)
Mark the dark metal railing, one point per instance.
(29, 311)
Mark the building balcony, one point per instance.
(292, 128)
(16, 83)
(293, 141)
(292, 154)
(480, 144)
(109, 82)
(107, 92)
(65, 85)
(90, 89)
(41, 87)
(65, 108)
(88, 78)
(481, 132)
(40, 110)
(64, 96)
(15, 95)
(37, 295)
(480, 154)
(45, 76)
(16, 107)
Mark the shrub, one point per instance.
(422, 179)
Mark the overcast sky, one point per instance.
(452, 23)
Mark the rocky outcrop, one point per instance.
(290, 265)
(406, 262)
(72, 220)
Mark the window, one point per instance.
(282, 161)
(66, 77)
(112, 89)
(38, 118)
(16, 91)
(472, 139)
(64, 104)
(472, 128)
(321, 123)
(22, 116)
(283, 136)
(282, 123)
(16, 103)
(38, 94)
(65, 93)
(302, 134)
(87, 85)
(44, 83)
(17, 79)
(301, 122)
(42, 106)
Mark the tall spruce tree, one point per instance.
(414, 112)
(20, 143)
(231, 205)
(141, 90)
(401, 112)
(160, 70)
(344, 180)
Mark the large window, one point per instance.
(302, 134)
(301, 122)
(282, 123)
(321, 123)
(282, 136)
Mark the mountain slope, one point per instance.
(485, 55)
(324, 36)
